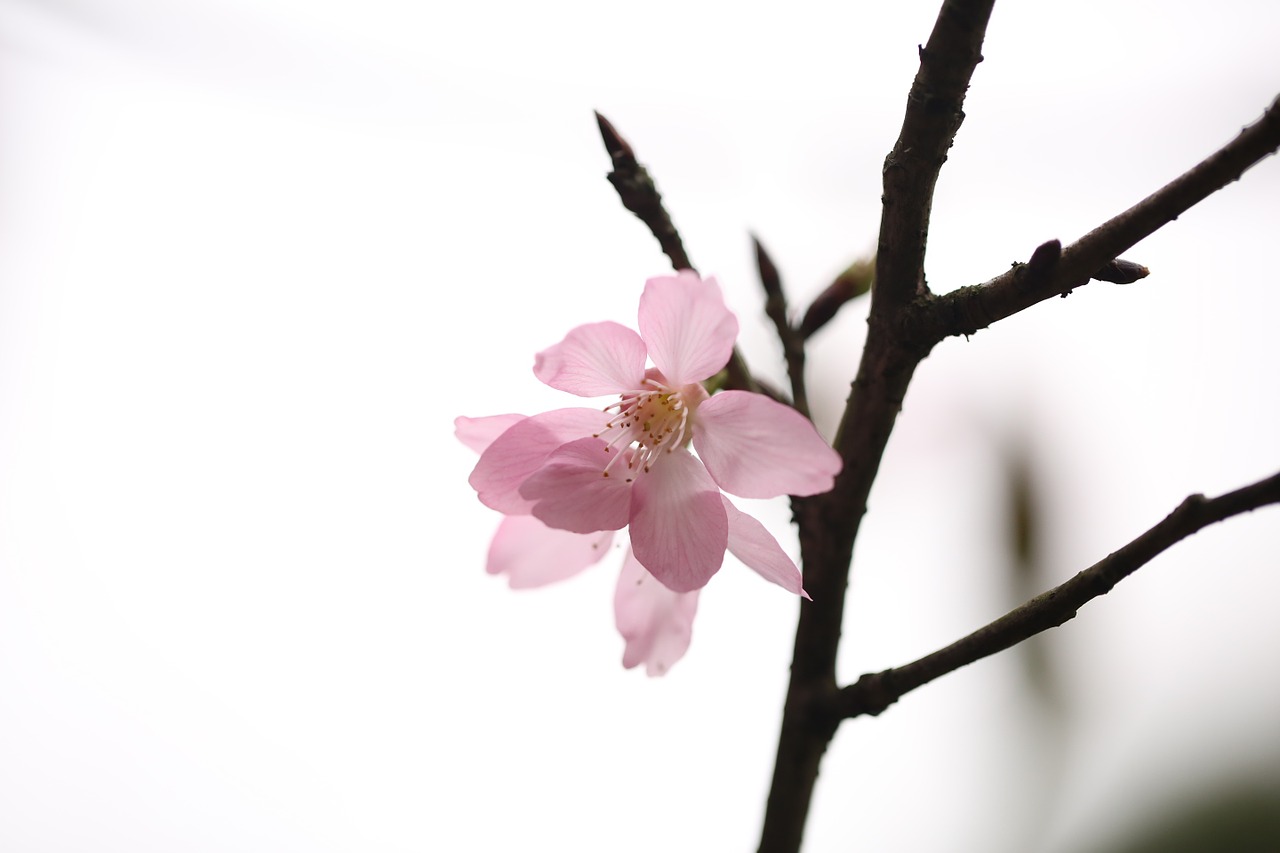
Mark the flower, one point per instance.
(587, 471)
(655, 623)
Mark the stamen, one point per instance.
(612, 460)
(647, 421)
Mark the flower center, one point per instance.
(651, 420)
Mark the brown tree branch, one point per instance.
(874, 692)
(639, 194)
(964, 311)
(828, 524)
(933, 116)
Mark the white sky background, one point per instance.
(255, 257)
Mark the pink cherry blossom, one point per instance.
(631, 466)
(655, 623)
(566, 479)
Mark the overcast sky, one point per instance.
(256, 256)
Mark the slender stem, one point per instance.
(828, 524)
(874, 692)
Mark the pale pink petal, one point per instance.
(531, 554)
(686, 326)
(573, 491)
(522, 449)
(678, 525)
(755, 546)
(755, 447)
(593, 360)
(479, 433)
(656, 623)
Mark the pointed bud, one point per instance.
(1121, 271)
(769, 278)
(1044, 258)
(614, 144)
(850, 284)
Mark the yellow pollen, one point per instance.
(649, 420)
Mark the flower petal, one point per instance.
(531, 554)
(755, 447)
(686, 326)
(656, 623)
(522, 449)
(479, 433)
(573, 491)
(755, 546)
(678, 525)
(593, 360)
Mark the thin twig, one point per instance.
(775, 307)
(639, 194)
(965, 311)
(874, 692)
